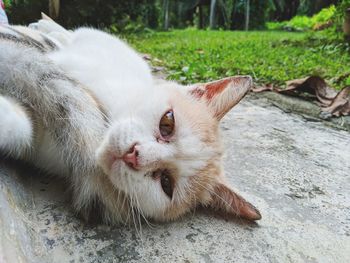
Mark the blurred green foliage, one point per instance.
(199, 55)
(7, 3)
(137, 15)
(340, 13)
(270, 57)
(305, 23)
(97, 13)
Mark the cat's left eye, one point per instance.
(166, 181)
(167, 124)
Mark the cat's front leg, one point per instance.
(16, 128)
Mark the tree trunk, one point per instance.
(212, 14)
(200, 13)
(54, 8)
(247, 15)
(317, 5)
(166, 14)
(346, 25)
(287, 11)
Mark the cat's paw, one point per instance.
(6, 111)
(15, 126)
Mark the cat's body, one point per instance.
(83, 105)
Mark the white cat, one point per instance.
(83, 105)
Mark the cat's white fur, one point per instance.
(133, 103)
(135, 117)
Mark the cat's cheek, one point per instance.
(107, 160)
(152, 200)
(104, 160)
(120, 181)
(117, 165)
(110, 160)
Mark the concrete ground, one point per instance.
(295, 171)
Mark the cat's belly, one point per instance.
(48, 156)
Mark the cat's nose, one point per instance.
(131, 157)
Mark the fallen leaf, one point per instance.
(333, 102)
(268, 87)
(313, 85)
(147, 57)
(340, 106)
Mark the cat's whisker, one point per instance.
(133, 214)
(138, 232)
(184, 192)
(150, 225)
(192, 158)
(62, 118)
(141, 213)
(140, 223)
(114, 192)
(136, 205)
(127, 220)
(193, 197)
(128, 199)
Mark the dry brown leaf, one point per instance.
(146, 57)
(338, 104)
(315, 86)
(268, 87)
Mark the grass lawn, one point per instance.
(270, 57)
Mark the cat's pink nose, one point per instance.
(130, 158)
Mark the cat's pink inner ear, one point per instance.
(222, 95)
(226, 200)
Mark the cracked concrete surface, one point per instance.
(296, 172)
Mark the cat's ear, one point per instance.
(225, 200)
(45, 17)
(222, 95)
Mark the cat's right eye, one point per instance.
(167, 124)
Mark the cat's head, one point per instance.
(165, 155)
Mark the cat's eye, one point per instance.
(165, 181)
(167, 124)
(166, 185)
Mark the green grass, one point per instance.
(270, 57)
